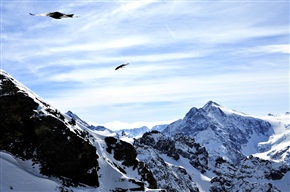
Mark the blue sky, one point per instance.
(181, 54)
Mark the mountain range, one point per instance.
(212, 148)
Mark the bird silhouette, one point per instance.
(121, 66)
(55, 15)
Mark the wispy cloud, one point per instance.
(181, 54)
(269, 49)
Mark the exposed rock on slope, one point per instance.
(31, 129)
(153, 145)
(127, 154)
(251, 174)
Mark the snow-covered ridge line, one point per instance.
(22, 87)
(212, 104)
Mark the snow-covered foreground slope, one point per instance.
(16, 175)
(24, 176)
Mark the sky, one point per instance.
(182, 54)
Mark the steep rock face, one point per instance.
(127, 154)
(152, 147)
(250, 174)
(171, 160)
(179, 146)
(31, 129)
(169, 177)
(223, 132)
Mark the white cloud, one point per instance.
(132, 6)
(269, 49)
(95, 46)
(172, 89)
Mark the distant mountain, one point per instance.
(223, 132)
(159, 127)
(99, 129)
(134, 132)
(138, 132)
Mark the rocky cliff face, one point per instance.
(153, 147)
(251, 174)
(32, 129)
(180, 164)
(63, 146)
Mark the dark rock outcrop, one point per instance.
(127, 154)
(42, 135)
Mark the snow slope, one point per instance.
(16, 176)
(277, 147)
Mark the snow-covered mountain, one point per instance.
(134, 132)
(53, 151)
(211, 149)
(159, 127)
(101, 130)
(224, 132)
(138, 132)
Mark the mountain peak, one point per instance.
(76, 118)
(213, 107)
(210, 104)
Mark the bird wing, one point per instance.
(69, 15)
(120, 66)
(39, 14)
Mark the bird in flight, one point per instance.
(121, 66)
(55, 15)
